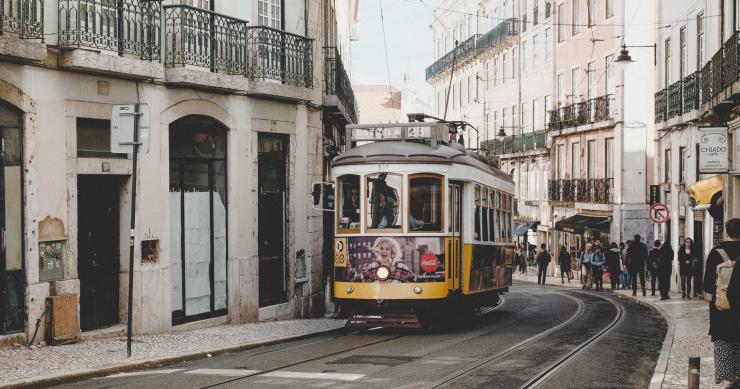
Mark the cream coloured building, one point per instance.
(243, 98)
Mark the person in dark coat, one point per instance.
(613, 262)
(687, 260)
(724, 327)
(637, 255)
(665, 268)
(543, 259)
(652, 265)
(564, 259)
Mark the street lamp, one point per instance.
(501, 135)
(625, 57)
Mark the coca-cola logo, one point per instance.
(429, 263)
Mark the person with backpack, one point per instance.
(665, 268)
(687, 259)
(724, 327)
(597, 268)
(543, 259)
(564, 259)
(652, 264)
(613, 265)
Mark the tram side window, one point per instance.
(384, 201)
(476, 234)
(492, 216)
(349, 202)
(484, 215)
(499, 230)
(425, 203)
(508, 217)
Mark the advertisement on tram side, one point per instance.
(490, 267)
(390, 259)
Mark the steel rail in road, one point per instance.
(477, 365)
(548, 372)
(325, 355)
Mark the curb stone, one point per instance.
(65, 378)
(656, 382)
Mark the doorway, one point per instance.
(98, 247)
(272, 229)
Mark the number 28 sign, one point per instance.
(659, 213)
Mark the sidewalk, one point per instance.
(20, 366)
(688, 325)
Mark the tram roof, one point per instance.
(409, 152)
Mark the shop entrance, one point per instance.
(272, 231)
(98, 249)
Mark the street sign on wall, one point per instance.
(654, 194)
(713, 150)
(659, 213)
(122, 127)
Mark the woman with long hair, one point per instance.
(687, 260)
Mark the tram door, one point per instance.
(454, 242)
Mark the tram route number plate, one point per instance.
(386, 133)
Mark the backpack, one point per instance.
(724, 275)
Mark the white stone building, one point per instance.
(240, 114)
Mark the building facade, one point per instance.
(696, 81)
(239, 99)
(493, 68)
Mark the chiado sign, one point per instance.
(713, 150)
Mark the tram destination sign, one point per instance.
(400, 131)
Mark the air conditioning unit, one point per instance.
(63, 323)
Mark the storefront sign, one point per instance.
(654, 194)
(713, 150)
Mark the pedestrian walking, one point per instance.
(586, 275)
(636, 257)
(724, 326)
(687, 260)
(625, 276)
(653, 261)
(564, 259)
(598, 261)
(543, 259)
(665, 268)
(518, 258)
(613, 265)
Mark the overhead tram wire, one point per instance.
(387, 64)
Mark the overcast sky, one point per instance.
(409, 40)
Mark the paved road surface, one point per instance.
(539, 337)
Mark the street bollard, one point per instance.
(694, 372)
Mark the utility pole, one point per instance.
(135, 154)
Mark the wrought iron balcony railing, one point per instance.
(22, 17)
(675, 101)
(497, 34)
(691, 92)
(462, 51)
(124, 26)
(585, 112)
(706, 82)
(717, 73)
(279, 55)
(595, 191)
(661, 105)
(337, 83)
(517, 143)
(730, 60)
(198, 37)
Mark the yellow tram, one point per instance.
(424, 227)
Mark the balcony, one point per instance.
(226, 47)
(127, 29)
(675, 100)
(661, 106)
(338, 85)
(517, 143)
(20, 22)
(691, 92)
(706, 83)
(581, 113)
(496, 35)
(459, 53)
(593, 191)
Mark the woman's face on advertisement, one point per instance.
(385, 250)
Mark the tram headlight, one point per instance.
(418, 290)
(383, 273)
(350, 290)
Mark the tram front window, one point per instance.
(383, 195)
(349, 202)
(425, 203)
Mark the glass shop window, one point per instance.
(384, 194)
(425, 203)
(477, 233)
(349, 203)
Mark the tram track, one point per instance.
(486, 311)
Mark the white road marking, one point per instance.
(144, 372)
(319, 376)
(223, 372)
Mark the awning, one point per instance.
(702, 191)
(580, 223)
(521, 230)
